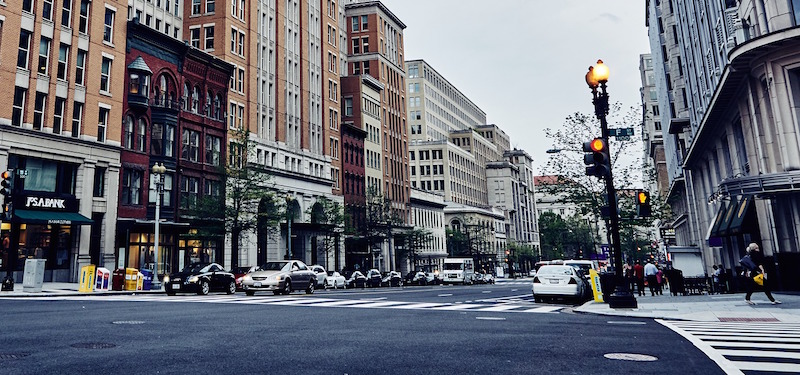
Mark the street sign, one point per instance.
(622, 134)
(667, 233)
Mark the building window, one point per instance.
(364, 23)
(194, 37)
(108, 28)
(83, 18)
(210, 6)
(58, 115)
(334, 119)
(77, 117)
(141, 135)
(191, 145)
(44, 56)
(105, 75)
(24, 49)
(80, 67)
(19, 106)
(365, 44)
(209, 37)
(240, 45)
(356, 46)
(166, 190)
(213, 145)
(66, 13)
(27, 6)
(127, 133)
(47, 10)
(195, 99)
(354, 20)
(38, 110)
(232, 116)
(102, 124)
(189, 191)
(63, 57)
(348, 107)
(99, 182)
(131, 187)
(196, 7)
(334, 148)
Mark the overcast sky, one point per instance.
(523, 61)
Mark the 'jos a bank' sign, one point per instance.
(48, 203)
(37, 202)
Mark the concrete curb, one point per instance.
(75, 293)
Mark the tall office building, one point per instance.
(375, 45)
(60, 131)
(166, 16)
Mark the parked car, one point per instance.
(483, 278)
(238, 274)
(374, 278)
(280, 277)
(422, 278)
(334, 280)
(393, 278)
(356, 279)
(200, 278)
(321, 274)
(488, 278)
(558, 281)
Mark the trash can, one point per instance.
(131, 279)
(118, 279)
(675, 281)
(34, 275)
(607, 284)
(147, 275)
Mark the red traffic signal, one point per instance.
(597, 158)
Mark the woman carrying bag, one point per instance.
(756, 272)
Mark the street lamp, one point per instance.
(289, 213)
(597, 76)
(158, 174)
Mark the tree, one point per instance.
(471, 241)
(551, 226)
(247, 188)
(381, 220)
(330, 219)
(413, 242)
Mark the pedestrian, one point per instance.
(758, 259)
(650, 271)
(715, 279)
(723, 279)
(638, 274)
(660, 279)
(627, 271)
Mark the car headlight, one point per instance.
(247, 278)
(166, 279)
(194, 279)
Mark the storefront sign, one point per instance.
(42, 201)
(37, 202)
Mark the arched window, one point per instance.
(161, 90)
(127, 133)
(195, 99)
(217, 108)
(207, 105)
(185, 98)
(140, 135)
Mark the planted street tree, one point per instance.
(329, 218)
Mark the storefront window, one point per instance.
(50, 242)
(141, 247)
(198, 251)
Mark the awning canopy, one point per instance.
(729, 213)
(50, 217)
(739, 215)
(720, 218)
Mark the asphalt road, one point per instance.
(170, 335)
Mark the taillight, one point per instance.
(536, 280)
(572, 281)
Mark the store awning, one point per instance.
(729, 213)
(50, 217)
(715, 227)
(739, 215)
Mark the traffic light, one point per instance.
(643, 204)
(597, 158)
(6, 187)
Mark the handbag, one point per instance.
(759, 279)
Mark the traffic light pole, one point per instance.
(622, 296)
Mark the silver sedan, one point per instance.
(280, 277)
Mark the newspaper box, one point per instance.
(139, 281)
(86, 279)
(131, 278)
(118, 279)
(34, 275)
(102, 280)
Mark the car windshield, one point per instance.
(274, 266)
(582, 267)
(240, 269)
(453, 266)
(195, 267)
(555, 270)
(330, 273)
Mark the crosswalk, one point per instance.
(745, 347)
(301, 300)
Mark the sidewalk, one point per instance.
(51, 289)
(710, 308)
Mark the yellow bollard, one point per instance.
(596, 292)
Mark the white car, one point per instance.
(321, 274)
(334, 280)
(554, 281)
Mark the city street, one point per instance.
(433, 329)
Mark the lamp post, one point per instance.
(289, 213)
(597, 76)
(158, 173)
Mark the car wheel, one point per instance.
(170, 293)
(250, 292)
(276, 292)
(537, 299)
(287, 287)
(310, 289)
(231, 288)
(203, 288)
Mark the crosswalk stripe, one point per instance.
(751, 339)
(463, 306)
(338, 303)
(763, 345)
(759, 353)
(374, 305)
(544, 309)
(739, 333)
(420, 305)
(500, 308)
(767, 366)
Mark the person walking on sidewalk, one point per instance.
(660, 279)
(638, 274)
(758, 259)
(650, 271)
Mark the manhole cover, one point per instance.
(631, 357)
(13, 355)
(93, 345)
(128, 322)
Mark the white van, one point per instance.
(582, 265)
(458, 271)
